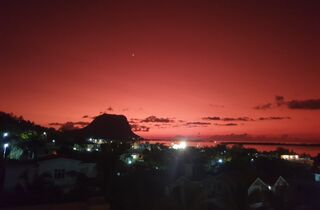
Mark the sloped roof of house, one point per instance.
(52, 157)
(280, 182)
(258, 184)
(261, 185)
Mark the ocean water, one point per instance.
(296, 147)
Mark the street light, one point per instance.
(5, 146)
(5, 134)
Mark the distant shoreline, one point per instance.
(245, 142)
(274, 144)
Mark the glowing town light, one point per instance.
(74, 148)
(269, 187)
(129, 162)
(44, 133)
(181, 145)
(6, 145)
(88, 149)
(220, 161)
(6, 134)
(289, 157)
(53, 141)
(118, 174)
(252, 159)
(90, 139)
(134, 156)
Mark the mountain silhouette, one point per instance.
(109, 126)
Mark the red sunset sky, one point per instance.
(200, 67)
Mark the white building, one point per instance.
(61, 171)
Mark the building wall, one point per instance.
(62, 170)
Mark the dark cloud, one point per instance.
(264, 106)
(110, 109)
(81, 123)
(242, 119)
(237, 119)
(161, 122)
(139, 128)
(154, 119)
(279, 100)
(215, 118)
(134, 120)
(309, 104)
(56, 124)
(163, 125)
(274, 118)
(198, 123)
(211, 118)
(225, 124)
(70, 125)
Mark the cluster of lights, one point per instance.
(290, 157)
(98, 141)
(87, 149)
(181, 145)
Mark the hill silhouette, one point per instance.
(108, 126)
(12, 123)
